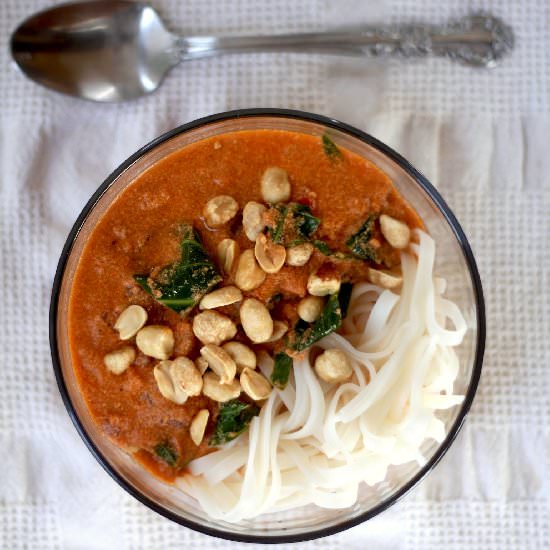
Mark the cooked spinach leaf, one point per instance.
(359, 243)
(233, 420)
(305, 222)
(181, 285)
(294, 224)
(323, 247)
(330, 148)
(166, 453)
(329, 320)
(281, 370)
(277, 234)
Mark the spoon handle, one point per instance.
(480, 40)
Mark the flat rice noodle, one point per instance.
(314, 442)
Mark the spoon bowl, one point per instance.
(102, 51)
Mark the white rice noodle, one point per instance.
(314, 443)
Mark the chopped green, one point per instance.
(359, 243)
(166, 453)
(330, 148)
(281, 370)
(323, 247)
(305, 222)
(233, 420)
(277, 234)
(294, 224)
(329, 320)
(180, 286)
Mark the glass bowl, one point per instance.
(454, 261)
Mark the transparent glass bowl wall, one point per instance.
(454, 262)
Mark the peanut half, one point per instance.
(211, 327)
(228, 252)
(253, 223)
(119, 360)
(219, 210)
(333, 366)
(256, 320)
(310, 308)
(299, 255)
(241, 354)
(220, 362)
(156, 341)
(130, 321)
(395, 232)
(249, 274)
(213, 388)
(255, 385)
(221, 297)
(198, 426)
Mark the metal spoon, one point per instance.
(121, 50)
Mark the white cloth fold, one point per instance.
(480, 136)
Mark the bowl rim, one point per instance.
(432, 193)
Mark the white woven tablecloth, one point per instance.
(481, 136)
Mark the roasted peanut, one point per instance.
(187, 375)
(198, 426)
(323, 286)
(177, 380)
(202, 364)
(333, 366)
(220, 210)
(255, 385)
(275, 186)
(211, 327)
(120, 359)
(213, 388)
(220, 362)
(253, 223)
(299, 255)
(130, 321)
(249, 274)
(241, 354)
(156, 341)
(395, 232)
(221, 297)
(270, 256)
(228, 252)
(167, 386)
(279, 330)
(310, 308)
(384, 278)
(256, 320)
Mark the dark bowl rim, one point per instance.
(433, 195)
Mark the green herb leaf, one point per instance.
(330, 148)
(233, 420)
(281, 370)
(180, 286)
(336, 308)
(166, 453)
(323, 247)
(359, 243)
(329, 320)
(277, 233)
(294, 224)
(306, 223)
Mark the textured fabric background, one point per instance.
(480, 136)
